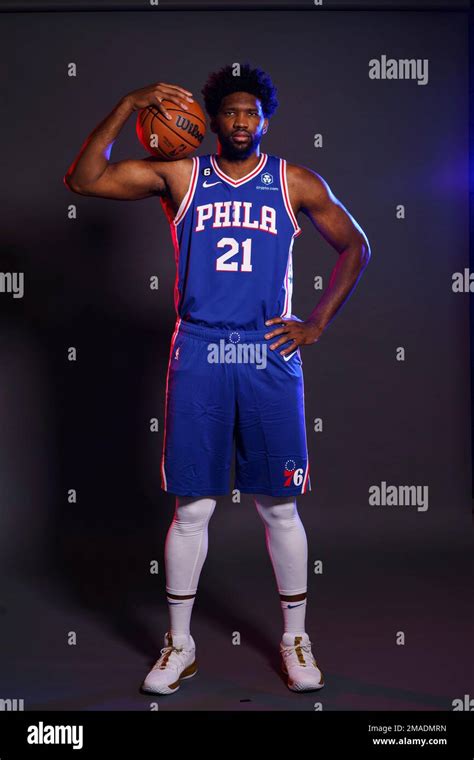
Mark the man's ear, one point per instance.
(266, 124)
(212, 125)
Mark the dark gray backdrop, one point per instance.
(84, 567)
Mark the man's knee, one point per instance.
(193, 511)
(278, 511)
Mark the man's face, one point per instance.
(239, 112)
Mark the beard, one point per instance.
(234, 150)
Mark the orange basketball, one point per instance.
(171, 139)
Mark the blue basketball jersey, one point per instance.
(233, 242)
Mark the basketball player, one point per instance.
(234, 218)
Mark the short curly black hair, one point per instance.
(223, 82)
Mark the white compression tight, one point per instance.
(187, 543)
(286, 542)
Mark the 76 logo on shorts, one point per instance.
(293, 475)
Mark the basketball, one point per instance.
(171, 139)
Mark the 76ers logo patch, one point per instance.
(292, 474)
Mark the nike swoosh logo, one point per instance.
(210, 184)
(290, 606)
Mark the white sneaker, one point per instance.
(177, 662)
(299, 664)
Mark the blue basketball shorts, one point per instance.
(224, 386)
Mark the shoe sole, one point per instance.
(188, 672)
(308, 688)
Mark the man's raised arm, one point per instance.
(91, 173)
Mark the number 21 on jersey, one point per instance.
(222, 263)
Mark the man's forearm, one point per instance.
(94, 155)
(344, 277)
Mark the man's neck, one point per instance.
(238, 167)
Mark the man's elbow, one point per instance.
(71, 185)
(365, 254)
(362, 247)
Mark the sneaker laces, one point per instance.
(289, 649)
(166, 653)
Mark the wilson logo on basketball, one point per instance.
(188, 126)
(173, 138)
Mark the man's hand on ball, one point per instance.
(153, 94)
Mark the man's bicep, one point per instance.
(330, 217)
(131, 179)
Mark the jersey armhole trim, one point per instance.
(186, 202)
(286, 197)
